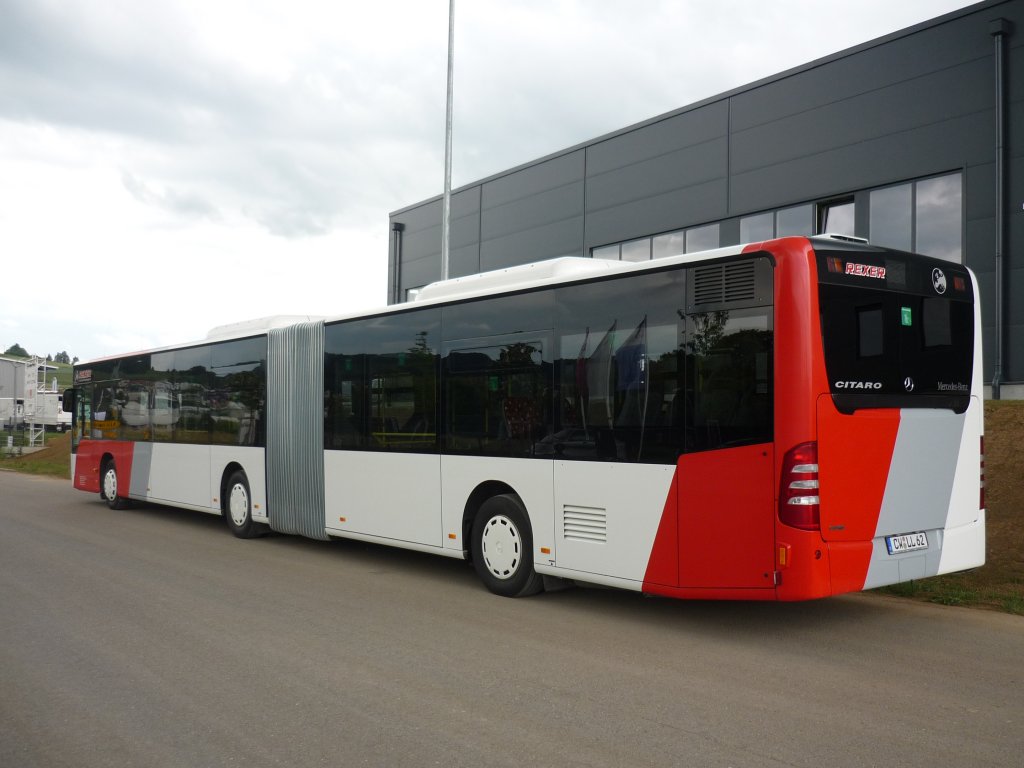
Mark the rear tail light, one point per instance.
(799, 502)
(981, 499)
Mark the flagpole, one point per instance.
(446, 205)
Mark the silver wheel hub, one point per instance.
(110, 484)
(502, 547)
(238, 504)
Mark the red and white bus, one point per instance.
(782, 420)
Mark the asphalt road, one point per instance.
(152, 637)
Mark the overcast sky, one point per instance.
(170, 166)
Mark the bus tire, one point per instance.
(238, 508)
(109, 486)
(502, 548)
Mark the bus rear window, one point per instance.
(937, 323)
(869, 331)
(897, 329)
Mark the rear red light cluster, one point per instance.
(799, 502)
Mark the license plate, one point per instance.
(906, 542)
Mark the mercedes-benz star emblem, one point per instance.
(939, 280)
(908, 383)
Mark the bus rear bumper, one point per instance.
(964, 547)
(948, 550)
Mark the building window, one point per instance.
(938, 217)
(753, 229)
(702, 238)
(637, 250)
(798, 220)
(925, 216)
(670, 244)
(836, 217)
(891, 217)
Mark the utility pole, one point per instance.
(446, 205)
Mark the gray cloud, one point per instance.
(184, 204)
(289, 153)
(351, 123)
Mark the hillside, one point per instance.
(1000, 582)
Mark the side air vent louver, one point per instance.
(707, 284)
(715, 286)
(585, 523)
(739, 283)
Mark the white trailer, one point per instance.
(12, 413)
(48, 411)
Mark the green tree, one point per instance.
(16, 350)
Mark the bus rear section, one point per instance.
(894, 481)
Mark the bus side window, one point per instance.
(83, 415)
(729, 379)
(499, 400)
(403, 401)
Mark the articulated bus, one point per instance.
(777, 421)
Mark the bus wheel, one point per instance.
(238, 508)
(502, 548)
(108, 486)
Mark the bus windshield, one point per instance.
(897, 332)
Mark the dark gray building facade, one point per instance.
(914, 140)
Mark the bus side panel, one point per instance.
(379, 493)
(89, 458)
(607, 516)
(663, 565)
(142, 464)
(727, 518)
(178, 473)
